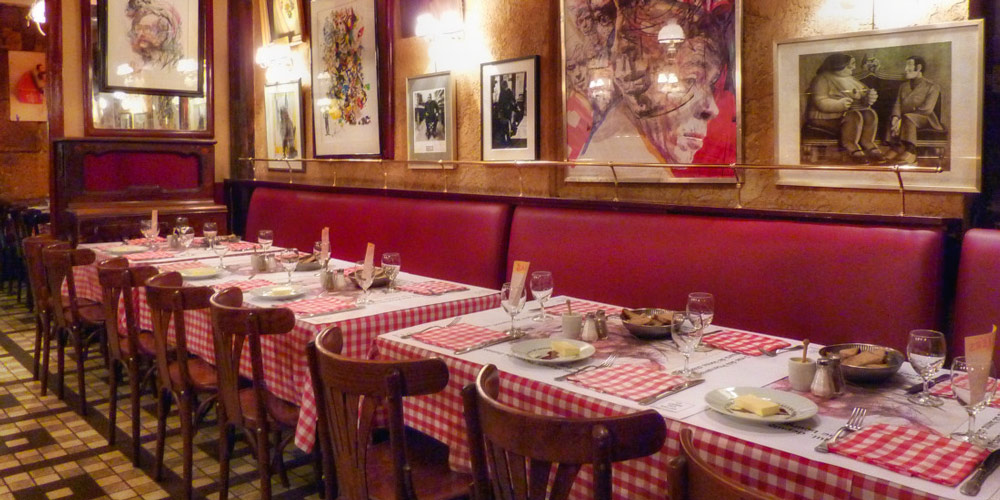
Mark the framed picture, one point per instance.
(430, 117)
(153, 46)
(510, 109)
(351, 78)
(27, 77)
(283, 117)
(651, 82)
(284, 20)
(903, 96)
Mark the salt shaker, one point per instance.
(829, 379)
(339, 280)
(589, 333)
(602, 324)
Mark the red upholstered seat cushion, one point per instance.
(826, 282)
(462, 241)
(977, 291)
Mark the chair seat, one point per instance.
(284, 413)
(428, 459)
(90, 311)
(147, 344)
(203, 375)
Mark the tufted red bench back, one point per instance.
(977, 291)
(827, 282)
(461, 241)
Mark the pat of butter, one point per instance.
(760, 406)
(565, 349)
(282, 290)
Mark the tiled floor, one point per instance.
(49, 451)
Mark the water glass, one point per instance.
(185, 235)
(974, 387)
(541, 285)
(391, 263)
(925, 351)
(265, 237)
(364, 282)
(686, 330)
(210, 230)
(149, 231)
(513, 306)
(221, 248)
(702, 304)
(288, 260)
(321, 256)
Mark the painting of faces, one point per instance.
(651, 81)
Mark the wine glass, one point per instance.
(702, 304)
(391, 263)
(541, 289)
(365, 282)
(179, 223)
(265, 237)
(185, 235)
(221, 248)
(513, 305)
(288, 260)
(149, 231)
(321, 256)
(926, 351)
(686, 329)
(974, 387)
(210, 230)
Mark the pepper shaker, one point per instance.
(602, 324)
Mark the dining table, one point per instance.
(284, 356)
(776, 455)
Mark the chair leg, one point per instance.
(113, 373)
(162, 409)
(61, 362)
(46, 344)
(279, 462)
(35, 368)
(264, 462)
(136, 391)
(227, 438)
(185, 406)
(81, 356)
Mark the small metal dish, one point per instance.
(866, 374)
(646, 332)
(379, 281)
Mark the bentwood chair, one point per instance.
(513, 451)
(32, 247)
(348, 392)
(182, 376)
(128, 348)
(691, 477)
(254, 409)
(73, 317)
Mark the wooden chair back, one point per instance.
(691, 477)
(348, 391)
(58, 262)
(32, 247)
(118, 284)
(236, 328)
(168, 300)
(514, 452)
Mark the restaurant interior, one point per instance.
(489, 249)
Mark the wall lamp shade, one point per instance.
(36, 14)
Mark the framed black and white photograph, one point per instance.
(153, 46)
(510, 109)
(284, 20)
(430, 113)
(908, 96)
(283, 117)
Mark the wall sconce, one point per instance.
(36, 14)
(279, 62)
(442, 34)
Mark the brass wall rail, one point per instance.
(739, 170)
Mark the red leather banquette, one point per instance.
(977, 291)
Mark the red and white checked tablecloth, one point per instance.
(320, 305)
(458, 336)
(432, 287)
(780, 473)
(629, 381)
(743, 342)
(244, 285)
(579, 307)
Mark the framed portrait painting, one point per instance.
(651, 82)
(284, 20)
(351, 78)
(910, 96)
(153, 46)
(430, 117)
(510, 109)
(283, 117)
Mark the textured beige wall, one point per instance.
(503, 29)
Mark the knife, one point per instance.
(488, 343)
(648, 400)
(971, 487)
(915, 388)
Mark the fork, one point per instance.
(454, 321)
(853, 424)
(604, 364)
(774, 352)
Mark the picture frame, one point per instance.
(352, 118)
(430, 117)
(681, 104)
(921, 70)
(283, 120)
(510, 117)
(27, 75)
(156, 48)
(283, 20)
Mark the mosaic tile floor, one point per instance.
(49, 451)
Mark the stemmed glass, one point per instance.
(221, 248)
(288, 260)
(185, 235)
(364, 282)
(321, 256)
(974, 387)
(149, 231)
(209, 231)
(513, 305)
(391, 263)
(703, 305)
(686, 330)
(926, 351)
(265, 237)
(541, 289)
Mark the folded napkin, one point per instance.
(912, 451)
(629, 381)
(458, 336)
(177, 266)
(579, 307)
(238, 246)
(156, 254)
(743, 342)
(244, 285)
(319, 305)
(943, 389)
(432, 287)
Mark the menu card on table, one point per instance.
(517, 278)
(369, 267)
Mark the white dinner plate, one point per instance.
(540, 350)
(278, 292)
(126, 249)
(199, 273)
(798, 407)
